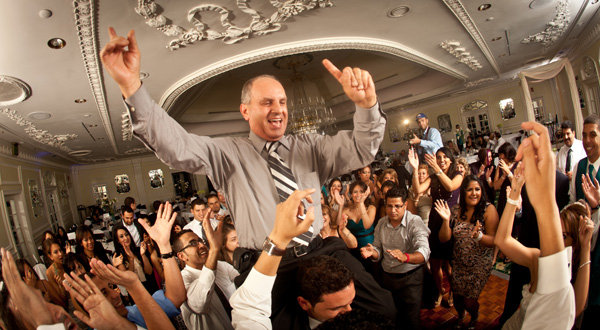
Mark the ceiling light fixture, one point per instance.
(496, 39)
(39, 115)
(398, 12)
(485, 6)
(144, 75)
(57, 43)
(87, 115)
(80, 153)
(307, 112)
(80, 100)
(45, 13)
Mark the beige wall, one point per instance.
(17, 175)
(137, 169)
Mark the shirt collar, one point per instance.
(259, 143)
(192, 270)
(403, 223)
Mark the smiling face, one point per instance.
(473, 193)
(194, 252)
(423, 174)
(332, 304)
(56, 254)
(198, 211)
(569, 136)
(123, 237)
(266, 111)
(443, 161)
(460, 168)
(591, 141)
(128, 218)
(335, 185)
(357, 193)
(88, 242)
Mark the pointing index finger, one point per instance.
(335, 72)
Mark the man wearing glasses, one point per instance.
(208, 282)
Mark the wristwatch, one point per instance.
(167, 255)
(272, 249)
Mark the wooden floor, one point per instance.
(491, 305)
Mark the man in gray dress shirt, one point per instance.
(238, 166)
(401, 239)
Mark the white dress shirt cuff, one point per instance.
(553, 273)
(57, 326)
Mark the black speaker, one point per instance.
(15, 149)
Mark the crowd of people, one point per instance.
(285, 244)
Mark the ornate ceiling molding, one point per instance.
(460, 12)
(135, 151)
(478, 82)
(454, 48)
(41, 136)
(259, 25)
(16, 91)
(305, 46)
(590, 38)
(85, 23)
(554, 29)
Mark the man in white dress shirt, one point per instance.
(199, 210)
(570, 153)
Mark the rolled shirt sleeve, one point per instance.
(251, 302)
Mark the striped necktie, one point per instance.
(285, 183)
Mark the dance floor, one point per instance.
(491, 304)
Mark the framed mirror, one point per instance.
(507, 109)
(122, 183)
(157, 180)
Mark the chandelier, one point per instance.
(307, 112)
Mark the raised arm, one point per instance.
(512, 248)
(413, 159)
(582, 280)
(367, 214)
(441, 207)
(342, 221)
(160, 233)
(251, 302)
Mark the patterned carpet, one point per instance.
(491, 305)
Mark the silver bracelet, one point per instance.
(512, 201)
(479, 237)
(585, 263)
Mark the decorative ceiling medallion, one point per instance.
(478, 82)
(258, 26)
(461, 13)
(13, 90)
(589, 68)
(136, 151)
(455, 49)
(85, 21)
(554, 29)
(41, 136)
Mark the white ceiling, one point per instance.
(199, 84)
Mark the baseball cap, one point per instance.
(421, 115)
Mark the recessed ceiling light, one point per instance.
(80, 153)
(57, 43)
(87, 115)
(80, 100)
(485, 6)
(45, 13)
(398, 12)
(39, 115)
(489, 19)
(496, 39)
(92, 125)
(144, 75)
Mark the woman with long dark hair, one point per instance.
(472, 224)
(361, 214)
(54, 253)
(87, 247)
(444, 186)
(129, 257)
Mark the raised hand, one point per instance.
(518, 179)
(161, 231)
(111, 274)
(121, 58)
(488, 173)
(213, 237)
(591, 190)
(365, 195)
(430, 159)
(143, 248)
(101, 313)
(343, 222)
(25, 299)
(441, 207)
(586, 230)
(413, 158)
(357, 84)
(339, 199)
(367, 251)
(117, 260)
(504, 167)
(415, 141)
(287, 224)
(476, 229)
